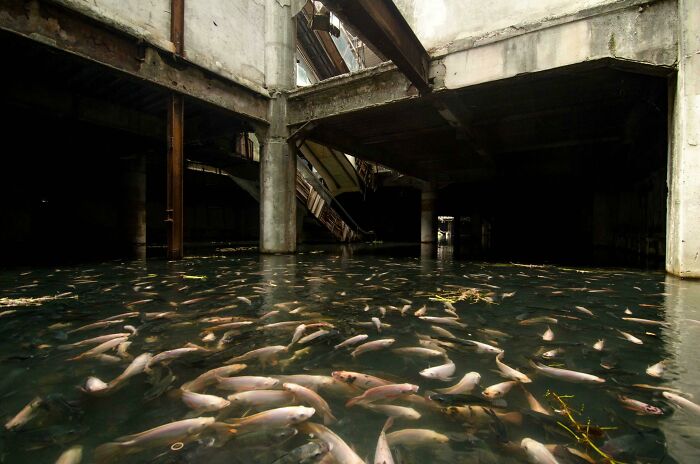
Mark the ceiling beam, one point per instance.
(380, 23)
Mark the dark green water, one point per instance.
(334, 285)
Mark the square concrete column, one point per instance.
(135, 205)
(278, 219)
(428, 219)
(683, 210)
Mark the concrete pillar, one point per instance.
(683, 210)
(277, 162)
(428, 220)
(135, 205)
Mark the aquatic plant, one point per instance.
(473, 295)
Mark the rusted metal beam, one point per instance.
(380, 23)
(69, 31)
(175, 171)
(175, 162)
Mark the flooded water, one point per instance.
(340, 291)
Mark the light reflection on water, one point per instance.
(330, 283)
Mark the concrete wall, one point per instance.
(223, 36)
(439, 22)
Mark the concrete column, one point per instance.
(277, 162)
(683, 210)
(135, 205)
(428, 220)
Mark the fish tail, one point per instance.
(329, 419)
(387, 425)
(107, 453)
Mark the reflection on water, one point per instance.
(339, 291)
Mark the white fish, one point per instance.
(508, 372)
(169, 355)
(377, 323)
(382, 454)
(499, 390)
(313, 399)
(421, 312)
(443, 372)
(94, 341)
(565, 374)
(682, 402)
(246, 382)
(383, 392)
(313, 336)
(537, 453)
(263, 354)
(279, 417)
(418, 351)
(415, 437)
(533, 403)
(244, 299)
(266, 399)
(584, 310)
(552, 353)
(100, 349)
(631, 338)
(351, 341)
(298, 332)
(485, 348)
(209, 377)
(627, 311)
(392, 410)
(466, 385)
(372, 346)
(656, 370)
(450, 321)
(72, 455)
(340, 450)
(442, 331)
(203, 403)
(26, 414)
(548, 335)
(599, 345)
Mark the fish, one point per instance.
(508, 372)
(339, 450)
(94, 341)
(100, 349)
(415, 437)
(631, 338)
(599, 345)
(565, 374)
(358, 379)
(539, 320)
(484, 347)
(466, 385)
(443, 372)
(646, 321)
(453, 322)
(627, 311)
(267, 399)
(179, 431)
(656, 370)
(377, 323)
(264, 438)
(169, 355)
(382, 454)
(351, 341)
(383, 392)
(244, 299)
(442, 331)
(681, 402)
(418, 351)
(263, 354)
(372, 346)
(72, 455)
(209, 377)
(246, 382)
(537, 453)
(421, 311)
(639, 407)
(584, 310)
(548, 335)
(552, 353)
(298, 332)
(279, 325)
(26, 414)
(311, 398)
(203, 403)
(278, 417)
(499, 390)
(95, 386)
(391, 410)
(533, 403)
(309, 452)
(97, 325)
(313, 336)
(268, 315)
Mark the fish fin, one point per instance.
(329, 419)
(224, 431)
(352, 402)
(387, 425)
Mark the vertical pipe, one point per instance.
(175, 168)
(428, 223)
(175, 134)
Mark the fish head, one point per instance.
(270, 383)
(344, 376)
(301, 413)
(439, 438)
(527, 444)
(284, 434)
(451, 411)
